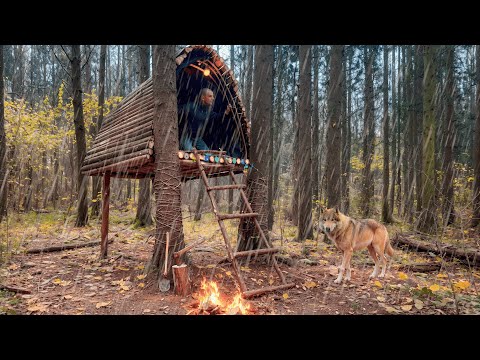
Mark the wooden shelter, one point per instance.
(124, 144)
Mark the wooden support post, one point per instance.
(181, 280)
(105, 214)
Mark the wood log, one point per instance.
(131, 135)
(62, 247)
(181, 280)
(127, 116)
(119, 152)
(143, 121)
(128, 165)
(15, 289)
(135, 113)
(421, 267)
(116, 160)
(135, 123)
(140, 91)
(118, 146)
(468, 256)
(253, 293)
(116, 118)
(210, 152)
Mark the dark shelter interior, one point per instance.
(193, 74)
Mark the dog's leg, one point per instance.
(384, 266)
(348, 255)
(341, 269)
(382, 258)
(373, 254)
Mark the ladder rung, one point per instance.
(256, 252)
(236, 216)
(252, 293)
(226, 187)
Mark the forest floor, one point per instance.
(77, 282)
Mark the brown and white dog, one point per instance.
(349, 235)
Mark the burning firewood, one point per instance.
(210, 302)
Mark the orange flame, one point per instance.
(210, 299)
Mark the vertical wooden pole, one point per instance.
(105, 213)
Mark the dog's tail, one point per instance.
(388, 248)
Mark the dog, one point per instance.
(349, 235)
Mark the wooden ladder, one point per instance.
(232, 256)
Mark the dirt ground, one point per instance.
(77, 282)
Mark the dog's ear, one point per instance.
(322, 208)
(336, 210)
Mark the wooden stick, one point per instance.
(116, 153)
(256, 252)
(15, 289)
(121, 110)
(181, 280)
(116, 118)
(62, 247)
(137, 119)
(177, 254)
(253, 293)
(121, 167)
(423, 267)
(134, 116)
(130, 135)
(117, 160)
(105, 215)
(118, 146)
(124, 116)
(166, 253)
(227, 187)
(142, 119)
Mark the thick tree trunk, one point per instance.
(400, 116)
(418, 124)
(3, 146)
(259, 176)
(348, 141)
(201, 195)
(345, 139)
(369, 134)
(476, 182)
(248, 82)
(82, 180)
(144, 208)
(333, 137)
(305, 229)
(315, 125)
(428, 216)
(88, 71)
(294, 171)
(97, 180)
(408, 136)
(386, 216)
(277, 150)
(167, 168)
(18, 72)
(449, 138)
(394, 142)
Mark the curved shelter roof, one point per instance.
(124, 145)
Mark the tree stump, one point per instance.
(181, 280)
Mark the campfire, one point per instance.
(209, 301)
